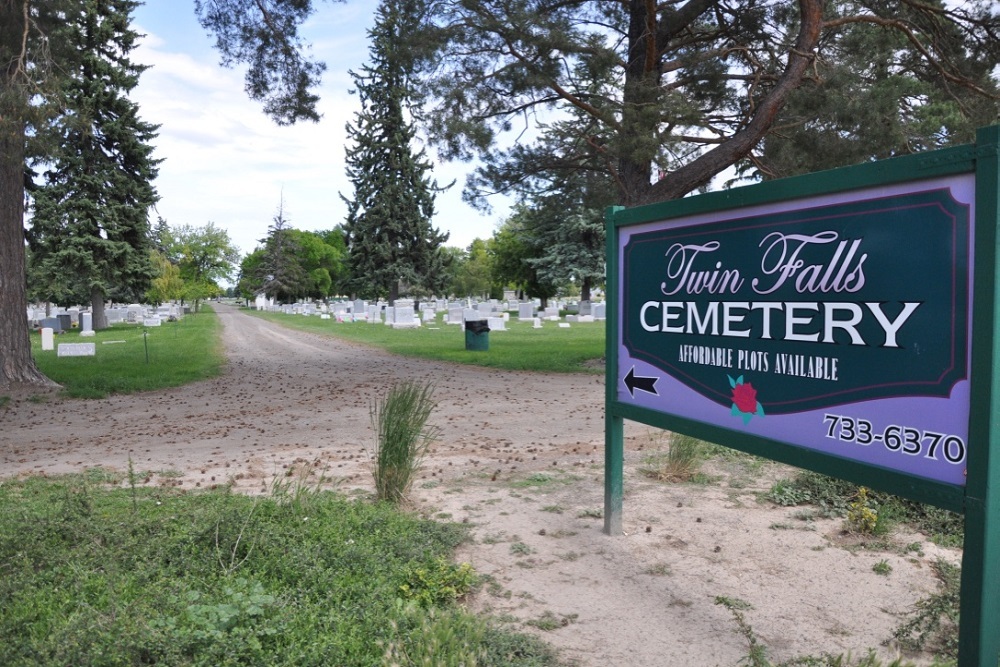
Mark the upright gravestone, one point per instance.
(87, 324)
(48, 339)
(52, 323)
(65, 321)
(525, 311)
(405, 317)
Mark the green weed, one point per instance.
(679, 463)
(934, 626)
(882, 568)
(402, 438)
(832, 498)
(116, 576)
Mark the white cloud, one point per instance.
(226, 162)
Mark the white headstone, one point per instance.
(151, 321)
(496, 324)
(600, 311)
(405, 317)
(455, 315)
(48, 339)
(77, 350)
(87, 324)
(537, 323)
(525, 311)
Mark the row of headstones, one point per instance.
(363, 311)
(67, 349)
(133, 314)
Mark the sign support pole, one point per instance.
(979, 630)
(614, 424)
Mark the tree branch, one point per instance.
(701, 170)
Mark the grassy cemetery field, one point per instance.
(550, 349)
(130, 358)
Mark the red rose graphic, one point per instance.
(745, 397)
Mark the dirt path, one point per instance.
(520, 459)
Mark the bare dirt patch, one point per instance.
(521, 461)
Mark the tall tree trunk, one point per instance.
(100, 316)
(16, 365)
(642, 81)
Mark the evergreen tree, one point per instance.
(35, 55)
(390, 237)
(689, 89)
(280, 274)
(89, 225)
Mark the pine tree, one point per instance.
(390, 237)
(280, 274)
(90, 226)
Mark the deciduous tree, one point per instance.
(205, 256)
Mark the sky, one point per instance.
(226, 162)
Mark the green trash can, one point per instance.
(477, 335)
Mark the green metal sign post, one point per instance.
(843, 322)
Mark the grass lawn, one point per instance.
(134, 358)
(100, 571)
(551, 349)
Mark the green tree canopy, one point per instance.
(667, 95)
(205, 256)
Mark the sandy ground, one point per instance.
(520, 460)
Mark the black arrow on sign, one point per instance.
(640, 382)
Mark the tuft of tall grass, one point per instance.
(679, 463)
(402, 437)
